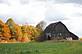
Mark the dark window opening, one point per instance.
(49, 38)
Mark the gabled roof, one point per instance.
(53, 25)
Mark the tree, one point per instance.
(1, 26)
(18, 32)
(32, 32)
(11, 24)
(41, 25)
(25, 37)
(4, 31)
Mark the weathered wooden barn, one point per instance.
(57, 31)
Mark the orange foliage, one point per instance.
(25, 39)
(12, 32)
(6, 31)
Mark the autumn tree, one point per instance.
(12, 31)
(11, 24)
(4, 31)
(25, 37)
(1, 26)
(18, 32)
(32, 32)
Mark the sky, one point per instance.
(34, 11)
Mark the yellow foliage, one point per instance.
(11, 32)
(80, 38)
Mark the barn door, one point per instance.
(48, 36)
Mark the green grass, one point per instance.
(48, 47)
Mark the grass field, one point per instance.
(48, 47)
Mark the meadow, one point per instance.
(47, 47)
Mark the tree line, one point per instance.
(12, 32)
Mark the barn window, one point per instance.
(60, 34)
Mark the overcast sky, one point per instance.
(34, 11)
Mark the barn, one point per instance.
(57, 31)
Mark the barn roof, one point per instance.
(53, 25)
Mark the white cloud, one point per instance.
(33, 11)
(68, 12)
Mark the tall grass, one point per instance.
(48, 47)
